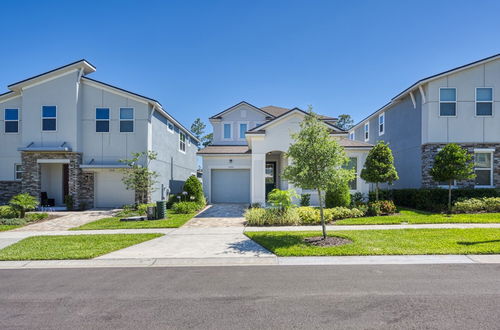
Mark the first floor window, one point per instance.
(182, 142)
(243, 129)
(49, 118)
(367, 131)
(483, 168)
(126, 120)
(227, 131)
(102, 119)
(11, 120)
(448, 102)
(381, 124)
(18, 168)
(484, 101)
(353, 165)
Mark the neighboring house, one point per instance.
(63, 133)
(460, 106)
(247, 156)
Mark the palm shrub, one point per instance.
(22, 203)
(281, 199)
(338, 195)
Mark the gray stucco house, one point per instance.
(63, 133)
(460, 105)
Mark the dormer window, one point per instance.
(227, 130)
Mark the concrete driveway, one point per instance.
(219, 215)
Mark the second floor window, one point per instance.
(484, 101)
(11, 118)
(227, 131)
(243, 129)
(182, 142)
(367, 131)
(102, 119)
(126, 120)
(381, 124)
(447, 102)
(49, 118)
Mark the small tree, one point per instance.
(345, 122)
(317, 160)
(379, 166)
(22, 203)
(452, 163)
(140, 178)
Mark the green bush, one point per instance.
(487, 204)
(311, 216)
(357, 199)
(272, 217)
(305, 199)
(281, 199)
(186, 207)
(338, 196)
(7, 212)
(36, 216)
(435, 199)
(194, 189)
(13, 222)
(22, 203)
(383, 207)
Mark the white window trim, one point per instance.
(171, 130)
(239, 129)
(491, 169)
(230, 131)
(365, 131)
(492, 103)
(9, 120)
(120, 120)
(16, 171)
(42, 118)
(456, 103)
(108, 120)
(180, 140)
(382, 115)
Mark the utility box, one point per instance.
(161, 209)
(151, 213)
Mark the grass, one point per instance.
(9, 227)
(173, 221)
(418, 217)
(385, 242)
(70, 246)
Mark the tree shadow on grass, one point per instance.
(479, 242)
(246, 247)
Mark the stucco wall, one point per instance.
(10, 141)
(243, 114)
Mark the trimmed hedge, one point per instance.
(487, 204)
(435, 199)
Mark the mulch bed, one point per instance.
(329, 241)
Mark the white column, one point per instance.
(258, 178)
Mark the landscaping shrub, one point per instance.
(282, 199)
(22, 203)
(357, 199)
(255, 216)
(194, 189)
(7, 212)
(13, 222)
(305, 199)
(338, 196)
(310, 215)
(36, 216)
(68, 201)
(272, 217)
(384, 207)
(255, 205)
(435, 199)
(186, 207)
(487, 204)
(142, 209)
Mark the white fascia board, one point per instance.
(9, 97)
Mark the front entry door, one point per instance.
(270, 177)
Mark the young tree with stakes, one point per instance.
(450, 164)
(140, 178)
(317, 160)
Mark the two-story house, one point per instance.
(247, 156)
(64, 134)
(459, 105)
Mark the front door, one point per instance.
(270, 177)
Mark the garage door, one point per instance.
(230, 186)
(110, 190)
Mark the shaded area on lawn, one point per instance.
(173, 220)
(411, 216)
(385, 242)
(70, 246)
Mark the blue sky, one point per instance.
(200, 57)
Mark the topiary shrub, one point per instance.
(338, 195)
(194, 189)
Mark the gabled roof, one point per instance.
(426, 80)
(274, 110)
(217, 116)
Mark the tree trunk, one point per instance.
(376, 191)
(321, 214)
(449, 197)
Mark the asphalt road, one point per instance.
(277, 297)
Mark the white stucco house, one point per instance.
(247, 155)
(63, 134)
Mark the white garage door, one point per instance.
(110, 190)
(230, 186)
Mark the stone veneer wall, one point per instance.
(9, 189)
(78, 183)
(429, 151)
(87, 191)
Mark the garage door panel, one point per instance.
(230, 186)
(110, 190)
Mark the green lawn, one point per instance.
(8, 227)
(70, 247)
(385, 242)
(414, 217)
(173, 221)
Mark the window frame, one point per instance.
(382, 115)
(120, 120)
(356, 183)
(181, 133)
(239, 129)
(5, 120)
(352, 136)
(454, 102)
(366, 131)
(170, 129)
(16, 171)
(108, 120)
(492, 102)
(491, 169)
(230, 131)
(42, 118)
